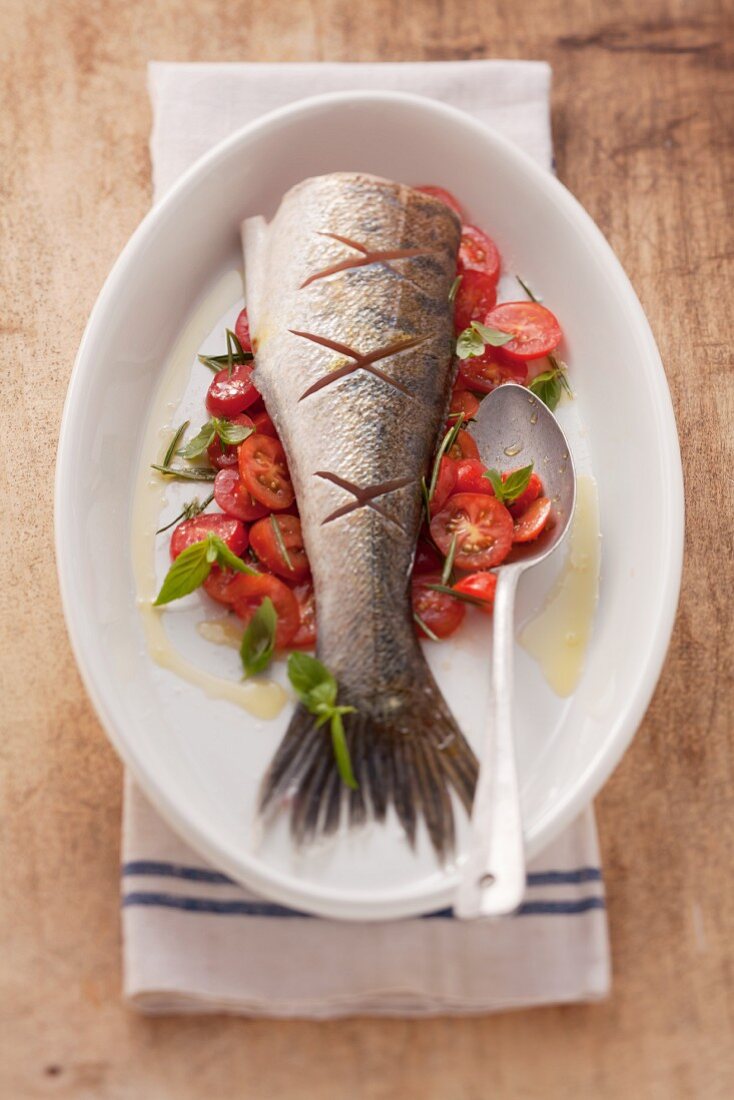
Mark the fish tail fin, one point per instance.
(406, 751)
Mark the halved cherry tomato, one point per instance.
(470, 477)
(264, 424)
(242, 330)
(526, 498)
(264, 471)
(442, 614)
(223, 455)
(444, 484)
(482, 587)
(533, 521)
(264, 542)
(228, 394)
(464, 402)
(217, 584)
(427, 558)
(442, 195)
(536, 330)
(193, 530)
(248, 593)
(234, 499)
(305, 636)
(475, 298)
(464, 446)
(478, 252)
(486, 372)
(483, 528)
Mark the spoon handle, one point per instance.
(493, 878)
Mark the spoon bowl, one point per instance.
(513, 428)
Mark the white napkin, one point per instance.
(193, 940)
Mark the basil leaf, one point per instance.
(469, 343)
(182, 473)
(188, 571)
(513, 486)
(312, 681)
(177, 435)
(495, 478)
(341, 749)
(226, 557)
(231, 434)
(258, 641)
(196, 447)
(547, 386)
(492, 336)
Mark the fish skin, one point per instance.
(363, 430)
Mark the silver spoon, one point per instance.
(513, 428)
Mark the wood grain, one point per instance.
(642, 112)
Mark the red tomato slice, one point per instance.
(483, 528)
(264, 424)
(305, 636)
(223, 455)
(463, 446)
(247, 593)
(464, 402)
(485, 372)
(442, 614)
(535, 328)
(444, 484)
(442, 195)
(264, 542)
(242, 330)
(533, 521)
(229, 530)
(478, 252)
(470, 477)
(427, 558)
(523, 502)
(217, 584)
(230, 395)
(264, 471)
(234, 499)
(481, 586)
(475, 298)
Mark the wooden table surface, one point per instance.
(642, 118)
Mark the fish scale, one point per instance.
(347, 293)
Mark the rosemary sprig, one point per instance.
(465, 596)
(190, 509)
(177, 436)
(426, 629)
(219, 362)
(448, 565)
(446, 444)
(280, 541)
(180, 473)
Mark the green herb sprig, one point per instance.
(176, 439)
(194, 564)
(443, 448)
(230, 435)
(455, 288)
(190, 509)
(513, 486)
(281, 541)
(548, 385)
(186, 473)
(466, 597)
(474, 339)
(258, 640)
(317, 689)
(425, 628)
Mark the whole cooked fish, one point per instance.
(347, 293)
